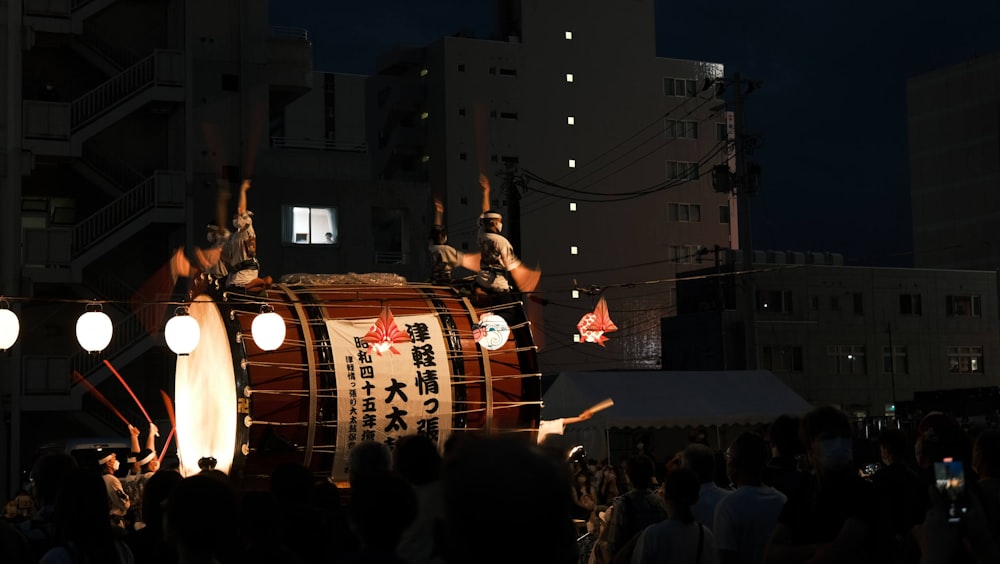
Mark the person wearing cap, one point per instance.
(496, 254)
(118, 500)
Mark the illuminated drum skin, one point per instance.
(331, 384)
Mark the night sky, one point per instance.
(830, 114)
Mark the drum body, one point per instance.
(359, 361)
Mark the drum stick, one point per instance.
(97, 394)
(166, 444)
(604, 404)
(128, 389)
(170, 408)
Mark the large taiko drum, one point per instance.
(364, 357)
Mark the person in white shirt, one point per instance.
(745, 518)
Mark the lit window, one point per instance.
(572, 163)
(423, 72)
(569, 77)
(309, 226)
(574, 250)
(424, 115)
(576, 294)
(576, 337)
(425, 158)
(572, 206)
(570, 120)
(569, 35)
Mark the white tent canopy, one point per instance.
(656, 399)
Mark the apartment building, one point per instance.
(954, 134)
(862, 338)
(120, 122)
(598, 152)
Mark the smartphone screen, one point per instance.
(949, 476)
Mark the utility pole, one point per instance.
(742, 186)
(742, 182)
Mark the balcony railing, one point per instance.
(285, 32)
(319, 144)
(163, 189)
(161, 68)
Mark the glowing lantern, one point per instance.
(384, 334)
(9, 327)
(491, 332)
(182, 332)
(94, 330)
(268, 329)
(595, 324)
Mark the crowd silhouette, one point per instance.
(801, 490)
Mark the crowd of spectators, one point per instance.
(797, 492)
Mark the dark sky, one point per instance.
(830, 113)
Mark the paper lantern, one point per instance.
(94, 330)
(594, 325)
(491, 332)
(9, 328)
(182, 332)
(268, 329)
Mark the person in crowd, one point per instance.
(366, 457)
(584, 494)
(784, 469)
(142, 464)
(47, 476)
(118, 500)
(635, 510)
(607, 482)
(416, 458)
(956, 528)
(383, 505)
(83, 532)
(148, 544)
(745, 519)
(202, 519)
(496, 254)
(506, 501)
(901, 493)
(679, 538)
(291, 485)
(263, 530)
(986, 464)
(700, 459)
(831, 516)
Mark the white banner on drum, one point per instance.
(385, 396)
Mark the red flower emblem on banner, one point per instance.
(594, 325)
(384, 334)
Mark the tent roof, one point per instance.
(672, 399)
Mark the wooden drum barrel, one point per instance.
(363, 358)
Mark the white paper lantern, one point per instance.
(93, 331)
(182, 333)
(268, 330)
(9, 328)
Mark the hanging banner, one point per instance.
(402, 391)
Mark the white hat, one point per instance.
(106, 458)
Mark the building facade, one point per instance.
(861, 338)
(598, 151)
(121, 121)
(954, 130)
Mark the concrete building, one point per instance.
(861, 338)
(119, 119)
(954, 129)
(599, 152)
